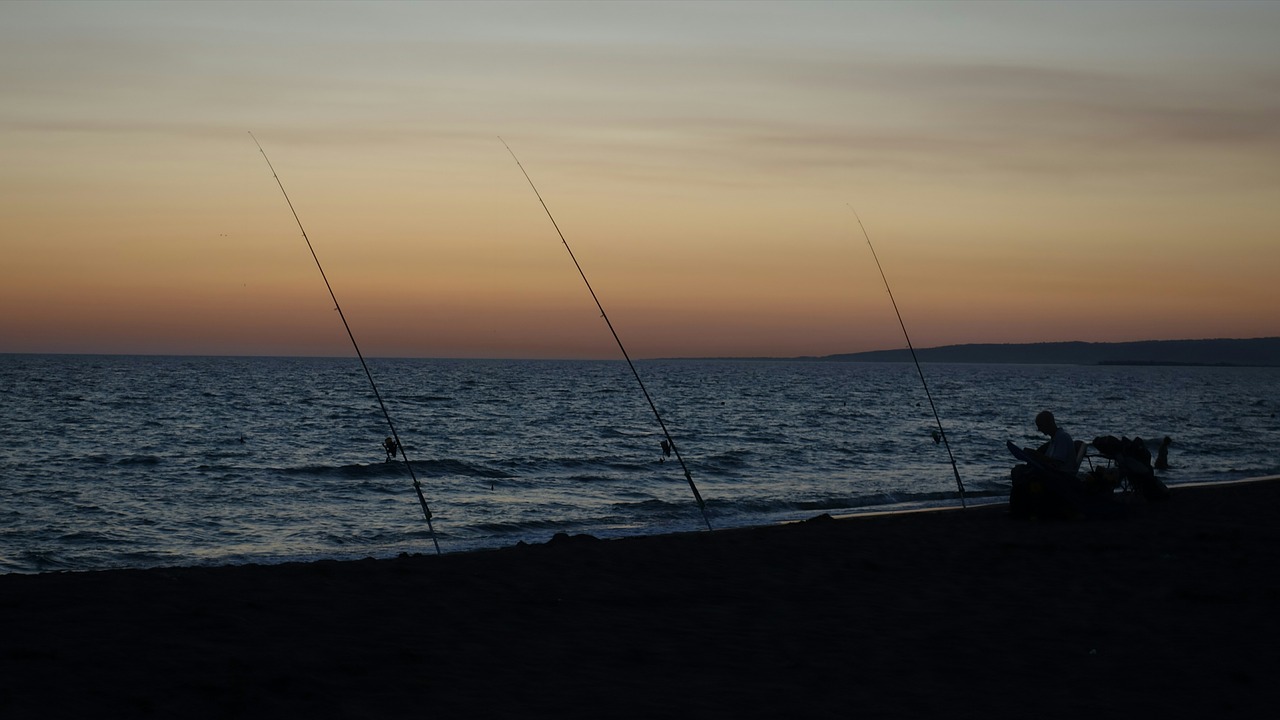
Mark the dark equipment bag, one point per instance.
(1133, 461)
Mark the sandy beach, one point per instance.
(1164, 610)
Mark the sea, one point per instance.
(152, 461)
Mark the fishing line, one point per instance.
(670, 443)
(417, 486)
(941, 432)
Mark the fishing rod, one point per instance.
(942, 433)
(670, 443)
(417, 486)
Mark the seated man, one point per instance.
(1060, 452)
(1046, 483)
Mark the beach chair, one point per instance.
(1102, 477)
(1041, 490)
(1082, 451)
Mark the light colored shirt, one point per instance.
(1062, 449)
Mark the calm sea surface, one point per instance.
(122, 461)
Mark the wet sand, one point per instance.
(1164, 610)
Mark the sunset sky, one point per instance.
(1027, 171)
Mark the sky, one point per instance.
(1026, 171)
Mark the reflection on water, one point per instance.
(139, 461)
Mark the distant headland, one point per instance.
(1255, 352)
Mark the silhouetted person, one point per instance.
(1045, 484)
(1060, 451)
(1162, 455)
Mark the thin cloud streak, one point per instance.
(699, 155)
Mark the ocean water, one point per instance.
(143, 461)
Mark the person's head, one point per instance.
(1045, 422)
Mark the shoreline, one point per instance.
(1166, 609)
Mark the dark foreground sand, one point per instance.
(1171, 610)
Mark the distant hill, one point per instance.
(1264, 352)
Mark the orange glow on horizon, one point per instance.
(1118, 184)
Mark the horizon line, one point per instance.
(604, 359)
